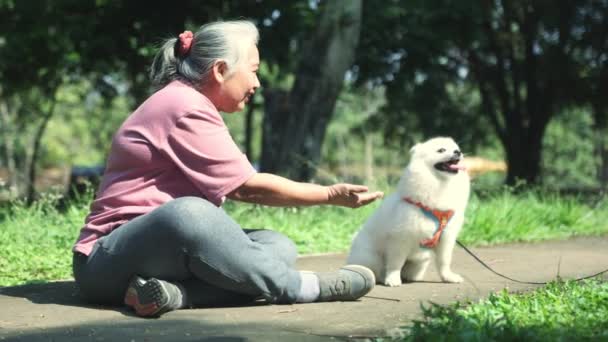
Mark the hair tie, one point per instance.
(185, 42)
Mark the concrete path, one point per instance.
(52, 312)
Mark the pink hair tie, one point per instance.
(185, 42)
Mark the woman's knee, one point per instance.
(185, 215)
(193, 220)
(190, 206)
(288, 250)
(278, 243)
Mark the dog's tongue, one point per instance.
(459, 166)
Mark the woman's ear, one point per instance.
(219, 71)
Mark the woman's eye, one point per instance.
(441, 150)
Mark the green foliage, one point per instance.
(561, 311)
(81, 131)
(101, 66)
(413, 49)
(36, 49)
(516, 74)
(37, 240)
(351, 145)
(507, 216)
(37, 245)
(314, 229)
(569, 158)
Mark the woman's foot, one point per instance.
(152, 297)
(348, 283)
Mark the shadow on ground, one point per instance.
(60, 301)
(60, 292)
(54, 312)
(63, 293)
(164, 330)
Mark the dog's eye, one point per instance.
(441, 150)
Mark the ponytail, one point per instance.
(228, 41)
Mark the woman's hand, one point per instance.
(350, 195)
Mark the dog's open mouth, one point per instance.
(451, 166)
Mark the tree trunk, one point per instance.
(9, 139)
(295, 123)
(601, 148)
(524, 157)
(520, 120)
(249, 128)
(31, 185)
(369, 159)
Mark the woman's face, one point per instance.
(238, 87)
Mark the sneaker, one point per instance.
(348, 283)
(152, 297)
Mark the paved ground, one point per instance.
(51, 312)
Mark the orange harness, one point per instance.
(442, 217)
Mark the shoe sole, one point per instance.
(147, 298)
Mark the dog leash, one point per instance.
(499, 274)
(515, 280)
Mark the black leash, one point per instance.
(515, 280)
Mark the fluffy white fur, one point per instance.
(389, 242)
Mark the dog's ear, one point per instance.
(413, 149)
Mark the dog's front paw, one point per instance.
(392, 279)
(451, 277)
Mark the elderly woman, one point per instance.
(156, 237)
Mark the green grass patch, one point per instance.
(532, 216)
(36, 241)
(315, 229)
(561, 311)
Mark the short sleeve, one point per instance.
(203, 149)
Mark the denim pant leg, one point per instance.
(184, 239)
(275, 243)
(202, 294)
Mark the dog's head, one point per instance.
(441, 155)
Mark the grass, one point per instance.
(314, 229)
(36, 247)
(36, 241)
(561, 311)
(532, 216)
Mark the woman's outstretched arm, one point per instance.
(273, 190)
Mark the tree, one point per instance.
(295, 122)
(36, 55)
(525, 59)
(45, 43)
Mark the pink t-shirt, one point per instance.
(175, 144)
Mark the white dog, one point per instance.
(421, 219)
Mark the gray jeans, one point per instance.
(196, 244)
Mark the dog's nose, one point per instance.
(457, 153)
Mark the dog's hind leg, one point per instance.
(366, 256)
(414, 270)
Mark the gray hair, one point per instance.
(228, 41)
